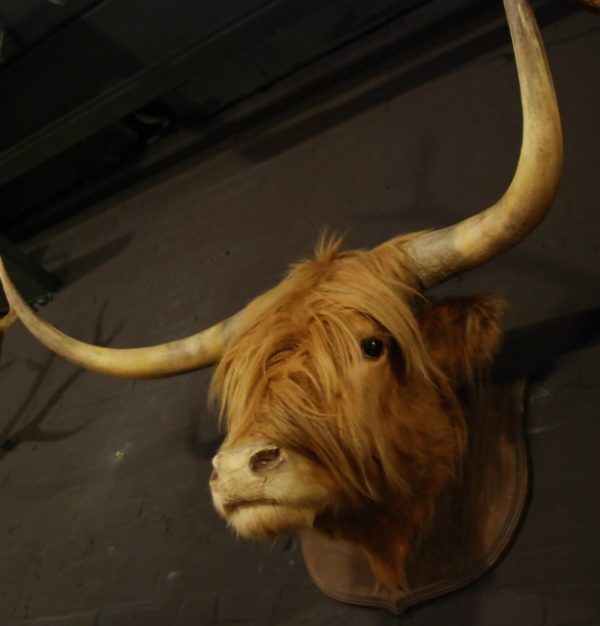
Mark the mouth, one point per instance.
(236, 505)
(265, 518)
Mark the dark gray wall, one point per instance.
(106, 515)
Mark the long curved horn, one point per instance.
(168, 359)
(439, 254)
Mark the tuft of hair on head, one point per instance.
(328, 245)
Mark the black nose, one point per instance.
(266, 459)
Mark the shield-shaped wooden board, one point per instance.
(474, 523)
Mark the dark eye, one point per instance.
(372, 347)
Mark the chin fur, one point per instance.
(264, 521)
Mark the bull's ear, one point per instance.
(463, 334)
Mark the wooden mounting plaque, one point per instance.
(474, 523)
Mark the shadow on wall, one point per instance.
(534, 350)
(33, 429)
(72, 270)
(569, 282)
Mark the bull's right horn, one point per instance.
(168, 359)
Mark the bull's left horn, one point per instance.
(439, 254)
(168, 359)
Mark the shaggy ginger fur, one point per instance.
(382, 436)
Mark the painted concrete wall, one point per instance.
(106, 515)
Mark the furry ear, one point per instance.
(463, 334)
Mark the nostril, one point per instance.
(265, 459)
(214, 476)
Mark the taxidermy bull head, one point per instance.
(339, 385)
